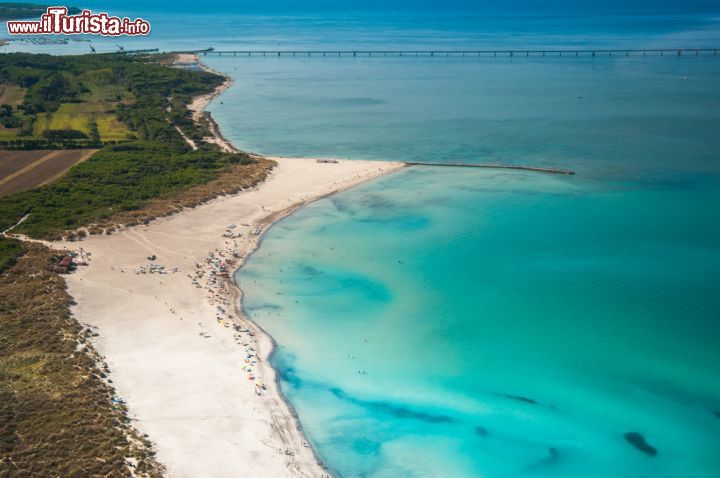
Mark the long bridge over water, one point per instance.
(468, 53)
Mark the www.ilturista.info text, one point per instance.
(57, 22)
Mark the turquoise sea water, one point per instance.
(444, 322)
(455, 322)
(436, 323)
(475, 323)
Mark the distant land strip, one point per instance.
(596, 52)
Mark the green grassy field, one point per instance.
(13, 96)
(95, 103)
(8, 133)
(80, 116)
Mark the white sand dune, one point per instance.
(189, 392)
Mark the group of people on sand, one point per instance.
(214, 275)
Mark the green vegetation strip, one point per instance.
(58, 412)
(90, 100)
(116, 179)
(10, 249)
(77, 97)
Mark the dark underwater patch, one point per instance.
(364, 446)
(391, 409)
(520, 398)
(638, 441)
(266, 306)
(351, 285)
(373, 290)
(308, 270)
(481, 431)
(553, 455)
(290, 376)
(717, 413)
(283, 362)
(378, 209)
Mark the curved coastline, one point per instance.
(190, 385)
(204, 393)
(190, 382)
(239, 307)
(265, 355)
(199, 106)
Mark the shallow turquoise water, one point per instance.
(471, 323)
(443, 322)
(449, 323)
(499, 324)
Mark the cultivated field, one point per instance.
(11, 95)
(80, 116)
(23, 170)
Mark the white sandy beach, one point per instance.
(184, 375)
